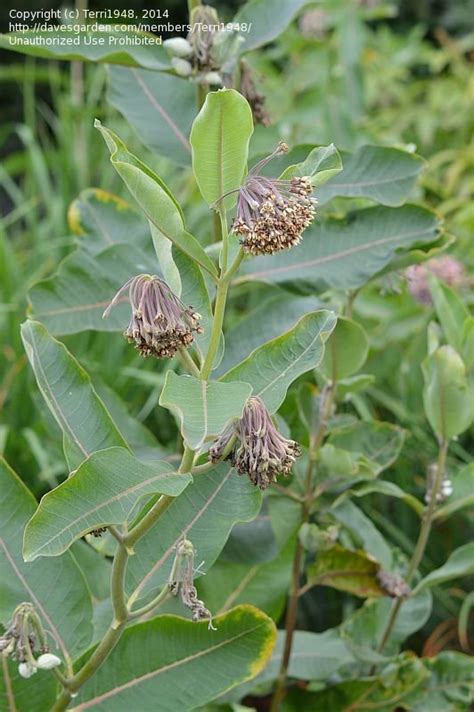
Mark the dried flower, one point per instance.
(254, 98)
(272, 213)
(24, 636)
(161, 324)
(181, 579)
(261, 451)
(448, 269)
(204, 25)
(393, 584)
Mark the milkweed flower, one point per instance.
(272, 213)
(261, 451)
(446, 268)
(24, 637)
(160, 324)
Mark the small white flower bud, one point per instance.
(178, 47)
(181, 66)
(47, 661)
(213, 78)
(26, 670)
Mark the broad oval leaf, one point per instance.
(66, 387)
(215, 501)
(203, 408)
(56, 588)
(386, 175)
(160, 108)
(378, 442)
(154, 198)
(346, 350)
(351, 571)
(363, 532)
(346, 253)
(179, 650)
(103, 490)
(220, 140)
(102, 46)
(459, 563)
(265, 20)
(272, 367)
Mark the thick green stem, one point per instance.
(425, 530)
(163, 594)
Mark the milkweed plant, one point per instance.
(251, 331)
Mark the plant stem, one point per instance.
(187, 361)
(423, 536)
(298, 560)
(151, 605)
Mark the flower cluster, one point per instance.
(161, 324)
(272, 213)
(23, 637)
(182, 579)
(260, 450)
(446, 268)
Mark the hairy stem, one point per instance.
(298, 560)
(423, 537)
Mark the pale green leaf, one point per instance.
(321, 164)
(378, 442)
(37, 695)
(215, 501)
(346, 350)
(104, 490)
(220, 139)
(346, 253)
(154, 198)
(265, 19)
(459, 563)
(386, 175)
(203, 408)
(363, 532)
(160, 108)
(56, 588)
(179, 650)
(272, 367)
(450, 686)
(70, 396)
(462, 496)
(450, 310)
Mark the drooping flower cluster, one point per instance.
(23, 638)
(182, 580)
(260, 451)
(161, 324)
(446, 268)
(272, 213)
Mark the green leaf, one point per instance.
(346, 350)
(459, 563)
(220, 142)
(264, 585)
(351, 571)
(346, 253)
(379, 443)
(203, 408)
(446, 395)
(386, 175)
(160, 108)
(106, 46)
(265, 19)
(450, 311)
(321, 164)
(70, 396)
(272, 367)
(37, 695)
(101, 219)
(179, 650)
(363, 531)
(96, 569)
(154, 198)
(450, 686)
(462, 496)
(215, 501)
(396, 687)
(383, 487)
(104, 490)
(75, 298)
(269, 319)
(467, 343)
(56, 588)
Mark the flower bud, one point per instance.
(26, 670)
(181, 66)
(213, 78)
(47, 661)
(178, 47)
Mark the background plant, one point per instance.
(337, 514)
